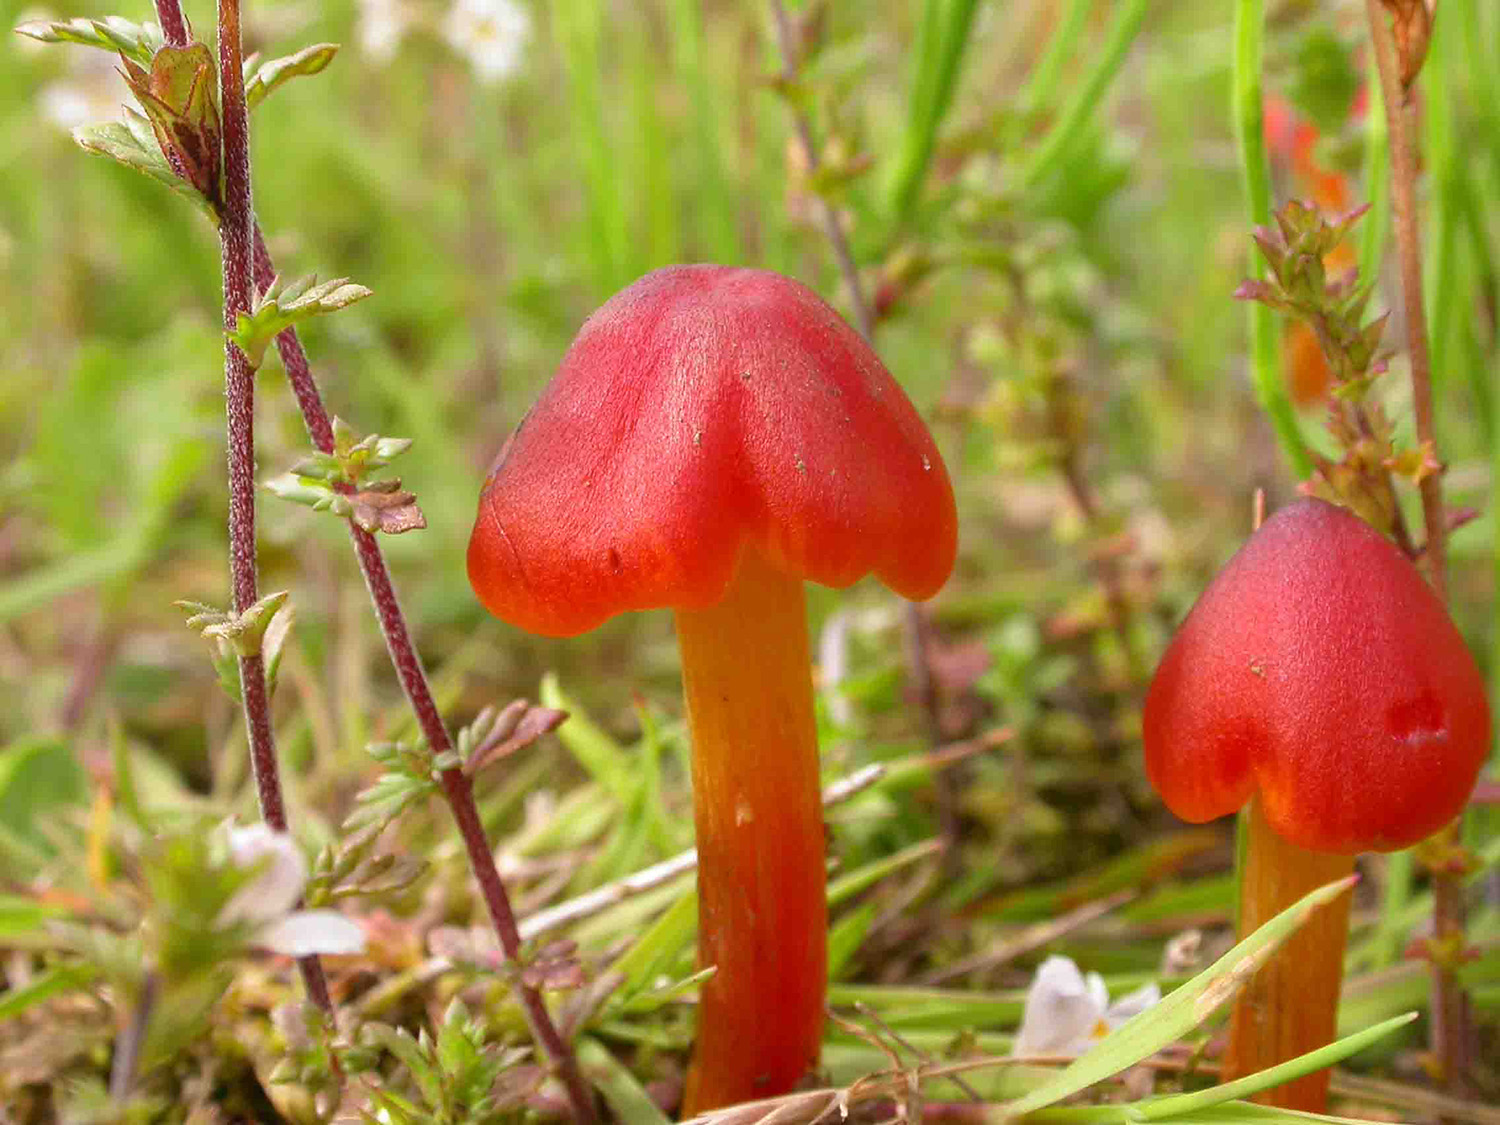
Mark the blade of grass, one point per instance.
(941, 40)
(1041, 88)
(626, 1097)
(1442, 156)
(604, 759)
(1180, 1011)
(1249, 122)
(579, 26)
(1180, 1104)
(1377, 178)
(1077, 112)
(53, 982)
(717, 231)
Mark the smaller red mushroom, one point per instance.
(713, 437)
(1320, 679)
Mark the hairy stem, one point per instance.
(236, 221)
(1449, 1034)
(174, 25)
(460, 796)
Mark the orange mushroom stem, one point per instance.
(1290, 1007)
(747, 679)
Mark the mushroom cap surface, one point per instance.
(700, 410)
(1319, 669)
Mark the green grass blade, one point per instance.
(1179, 1012)
(940, 50)
(847, 886)
(717, 230)
(1180, 1104)
(579, 25)
(1079, 110)
(627, 1099)
(1041, 88)
(1377, 177)
(604, 759)
(1442, 155)
(1249, 121)
(649, 957)
(52, 983)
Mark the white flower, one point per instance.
(382, 26)
(1067, 1013)
(490, 33)
(268, 901)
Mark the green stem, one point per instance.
(1377, 185)
(940, 50)
(1041, 87)
(1079, 110)
(1249, 17)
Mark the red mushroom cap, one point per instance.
(1321, 670)
(701, 409)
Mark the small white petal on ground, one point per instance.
(1066, 1012)
(312, 931)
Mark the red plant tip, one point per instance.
(1319, 670)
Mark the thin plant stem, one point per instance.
(1079, 110)
(174, 25)
(459, 792)
(1377, 185)
(408, 665)
(128, 1044)
(236, 222)
(1449, 1034)
(864, 318)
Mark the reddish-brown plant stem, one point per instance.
(1450, 1037)
(786, 42)
(236, 221)
(408, 665)
(460, 795)
(174, 25)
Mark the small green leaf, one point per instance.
(19, 915)
(41, 783)
(122, 141)
(138, 41)
(246, 631)
(271, 75)
(51, 983)
(627, 1099)
(312, 493)
(279, 308)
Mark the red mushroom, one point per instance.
(1320, 679)
(713, 437)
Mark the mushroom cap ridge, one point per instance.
(701, 409)
(1319, 669)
